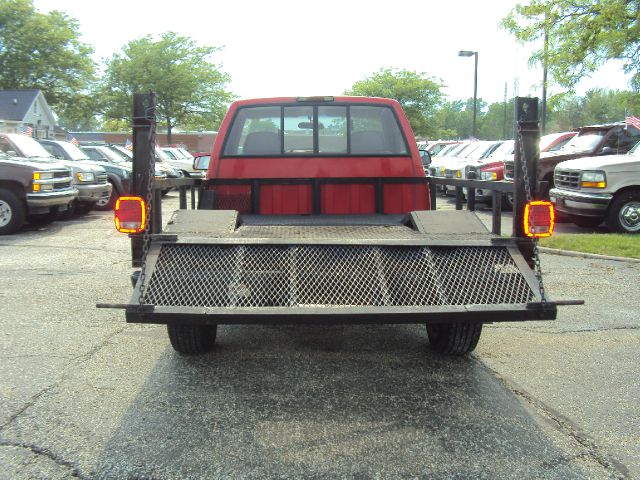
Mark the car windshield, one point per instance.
(28, 147)
(635, 150)
(445, 151)
(121, 151)
(162, 156)
(481, 151)
(585, 141)
(74, 152)
(107, 153)
(504, 150)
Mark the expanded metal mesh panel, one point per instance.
(337, 232)
(230, 276)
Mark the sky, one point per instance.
(289, 48)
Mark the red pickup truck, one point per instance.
(316, 210)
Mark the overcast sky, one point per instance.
(274, 48)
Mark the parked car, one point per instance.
(32, 190)
(88, 178)
(162, 170)
(436, 147)
(120, 172)
(491, 168)
(182, 164)
(593, 140)
(459, 166)
(438, 163)
(591, 190)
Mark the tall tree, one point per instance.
(582, 35)
(44, 52)
(419, 95)
(191, 89)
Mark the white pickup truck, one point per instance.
(591, 190)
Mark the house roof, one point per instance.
(14, 104)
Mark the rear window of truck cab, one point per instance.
(319, 130)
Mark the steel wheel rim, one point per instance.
(103, 202)
(5, 213)
(629, 216)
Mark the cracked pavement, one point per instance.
(84, 395)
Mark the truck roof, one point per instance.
(315, 99)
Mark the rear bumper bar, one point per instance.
(341, 315)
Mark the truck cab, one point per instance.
(328, 139)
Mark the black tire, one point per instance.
(84, 208)
(44, 218)
(507, 201)
(12, 212)
(624, 212)
(105, 206)
(192, 339)
(585, 222)
(69, 212)
(454, 338)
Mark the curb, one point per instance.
(595, 256)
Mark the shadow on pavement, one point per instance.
(336, 402)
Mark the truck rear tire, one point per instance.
(624, 212)
(12, 212)
(454, 338)
(192, 339)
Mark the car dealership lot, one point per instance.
(84, 393)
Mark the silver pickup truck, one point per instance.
(591, 190)
(34, 191)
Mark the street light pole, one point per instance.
(469, 53)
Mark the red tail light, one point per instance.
(131, 215)
(539, 219)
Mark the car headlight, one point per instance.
(593, 180)
(42, 175)
(488, 176)
(85, 176)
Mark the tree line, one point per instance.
(44, 51)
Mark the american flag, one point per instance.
(634, 121)
(27, 130)
(75, 141)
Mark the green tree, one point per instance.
(44, 52)
(582, 35)
(598, 105)
(419, 95)
(191, 89)
(497, 122)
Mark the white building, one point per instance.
(20, 109)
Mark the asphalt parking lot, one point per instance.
(83, 394)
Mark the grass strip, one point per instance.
(613, 244)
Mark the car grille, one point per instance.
(567, 179)
(61, 174)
